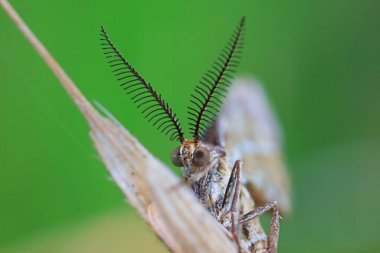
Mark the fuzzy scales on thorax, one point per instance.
(210, 189)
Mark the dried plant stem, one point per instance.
(173, 212)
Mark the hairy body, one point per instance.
(215, 185)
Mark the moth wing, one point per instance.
(248, 129)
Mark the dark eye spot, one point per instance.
(176, 157)
(201, 156)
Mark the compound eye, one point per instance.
(201, 156)
(176, 158)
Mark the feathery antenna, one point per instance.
(211, 89)
(153, 107)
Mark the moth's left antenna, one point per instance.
(210, 91)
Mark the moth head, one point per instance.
(205, 102)
(191, 154)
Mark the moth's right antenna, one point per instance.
(153, 107)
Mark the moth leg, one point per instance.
(274, 226)
(178, 185)
(231, 199)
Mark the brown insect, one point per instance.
(243, 130)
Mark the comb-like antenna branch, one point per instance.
(141, 92)
(210, 91)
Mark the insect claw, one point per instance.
(175, 187)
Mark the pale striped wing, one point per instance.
(247, 128)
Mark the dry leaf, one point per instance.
(173, 212)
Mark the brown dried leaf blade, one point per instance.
(176, 216)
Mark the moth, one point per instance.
(222, 138)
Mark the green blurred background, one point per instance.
(318, 60)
